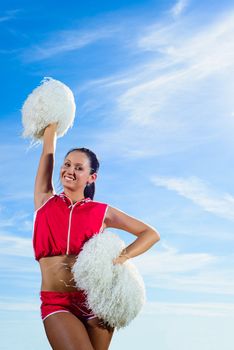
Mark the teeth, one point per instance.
(69, 178)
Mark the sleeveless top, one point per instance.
(61, 227)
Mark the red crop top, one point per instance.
(61, 227)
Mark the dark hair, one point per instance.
(89, 190)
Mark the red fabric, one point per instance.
(61, 228)
(74, 302)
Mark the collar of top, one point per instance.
(82, 201)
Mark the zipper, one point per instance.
(69, 229)
(69, 224)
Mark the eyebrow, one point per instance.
(75, 163)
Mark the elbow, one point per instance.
(156, 236)
(153, 235)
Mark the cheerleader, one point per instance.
(63, 222)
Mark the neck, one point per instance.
(74, 196)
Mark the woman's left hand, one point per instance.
(120, 259)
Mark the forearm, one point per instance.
(49, 139)
(43, 181)
(143, 242)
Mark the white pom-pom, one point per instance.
(50, 102)
(115, 293)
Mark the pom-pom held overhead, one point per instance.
(50, 102)
(115, 292)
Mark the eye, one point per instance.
(76, 168)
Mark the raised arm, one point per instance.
(43, 188)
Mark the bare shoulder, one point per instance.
(111, 212)
(117, 218)
(41, 198)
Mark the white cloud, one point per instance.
(178, 8)
(66, 41)
(9, 15)
(175, 99)
(206, 309)
(170, 260)
(186, 61)
(208, 282)
(13, 304)
(18, 265)
(200, 193)
(16, 246)
(16, 196)
(188, 272)
(16, 219)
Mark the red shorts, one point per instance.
(74, 302)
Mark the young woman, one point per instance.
(62, 224)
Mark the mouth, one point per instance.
(69, 178)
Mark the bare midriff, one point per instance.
(56, 273)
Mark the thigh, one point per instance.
(66, 332)
(100, 336)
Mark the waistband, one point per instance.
(53, 293)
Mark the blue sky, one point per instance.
(153, 83)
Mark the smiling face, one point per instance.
(75, 171)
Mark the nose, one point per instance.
(70, 171)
